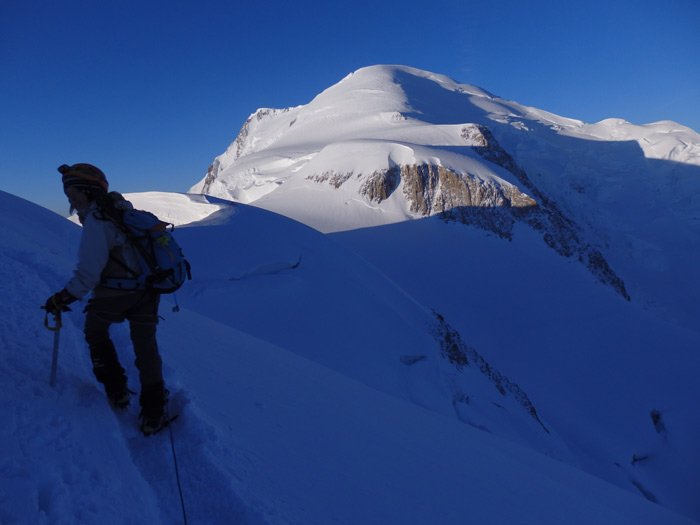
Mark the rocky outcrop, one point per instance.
(381, 184)
(211, 176)
(333, 178)
(436, 190)
(461, 355)
(558, 231)
(474, 135)
(241, 145)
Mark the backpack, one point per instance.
(162, 265)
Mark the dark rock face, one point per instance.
(212, 174)
(331, 177)
(434, 189)
(461, 355)
(558, 231)
(381, 184)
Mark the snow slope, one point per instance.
(631, 191)
(617, 378)
(597, 366)
(266, 435)
(177, 208)
(317, 299)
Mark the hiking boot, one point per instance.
(153, 425)
(153, 415)
(119, 397)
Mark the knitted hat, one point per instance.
(83, 176)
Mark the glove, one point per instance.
(59, 302)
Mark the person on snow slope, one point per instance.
(105, 253)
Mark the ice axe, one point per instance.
(56, 329)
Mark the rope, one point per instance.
(177, 474)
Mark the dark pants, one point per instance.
(141, 310)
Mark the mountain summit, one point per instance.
(361, 136)
(382, 118)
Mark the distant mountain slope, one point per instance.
(602, 370)
(393, 143)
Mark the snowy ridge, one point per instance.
(179, 209)
(665, 140)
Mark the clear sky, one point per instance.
(152, 91)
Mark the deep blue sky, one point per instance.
(152, 91)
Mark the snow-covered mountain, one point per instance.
(311, 390)
(498, 326)
(392, 143)
(506, 220)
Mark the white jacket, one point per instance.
(100, 238)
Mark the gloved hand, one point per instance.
(59, 302)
